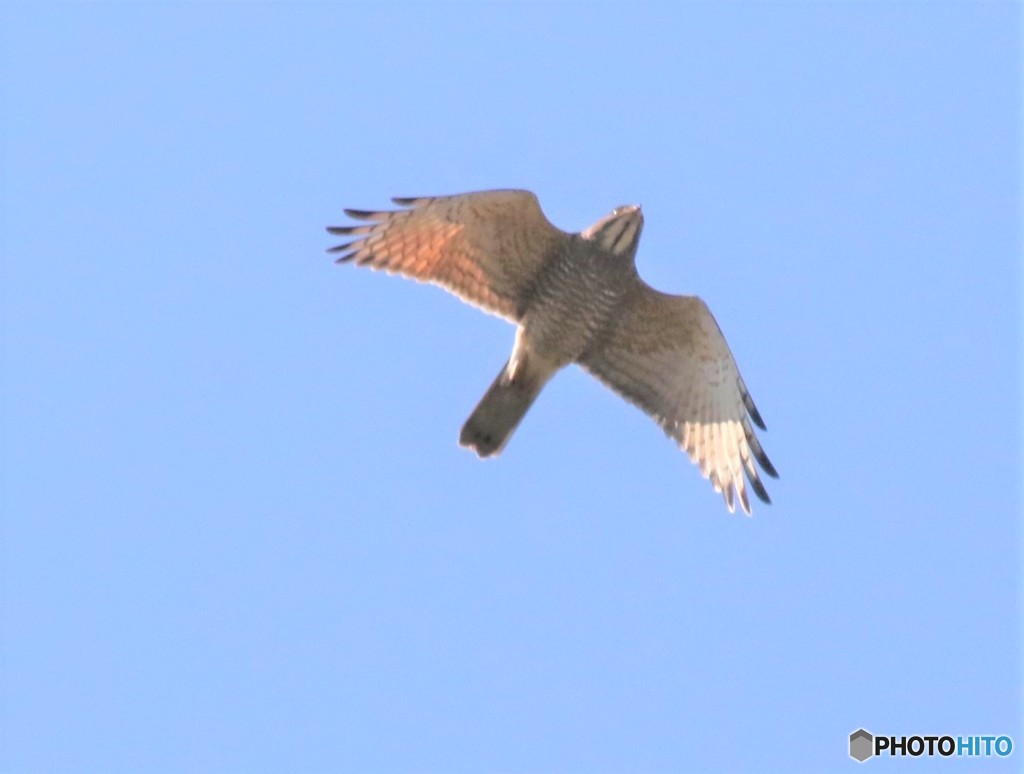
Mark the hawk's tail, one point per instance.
(500, 410)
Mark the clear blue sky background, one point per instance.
(238, 533)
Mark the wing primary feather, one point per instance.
(748, 403)
(365, 214)
(759, 490)
(744, 502)
(350, 230)
(758, 452)
(341, 248)
(754, 413)
(410, 201)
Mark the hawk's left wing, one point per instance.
(485, 247)
(667, 355)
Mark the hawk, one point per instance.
(575, 298)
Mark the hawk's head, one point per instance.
(618, 232)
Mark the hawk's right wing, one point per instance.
(667, 355)
(484, 247)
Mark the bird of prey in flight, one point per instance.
(575, 298)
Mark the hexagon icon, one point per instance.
(861, 745)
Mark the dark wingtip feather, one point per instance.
(340, 248)
(755, 415)
(761, 457)
(406, 201)
(759, 490)
(758, 451)
(362, 214)
(348, 230)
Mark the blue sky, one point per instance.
(237, 531)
